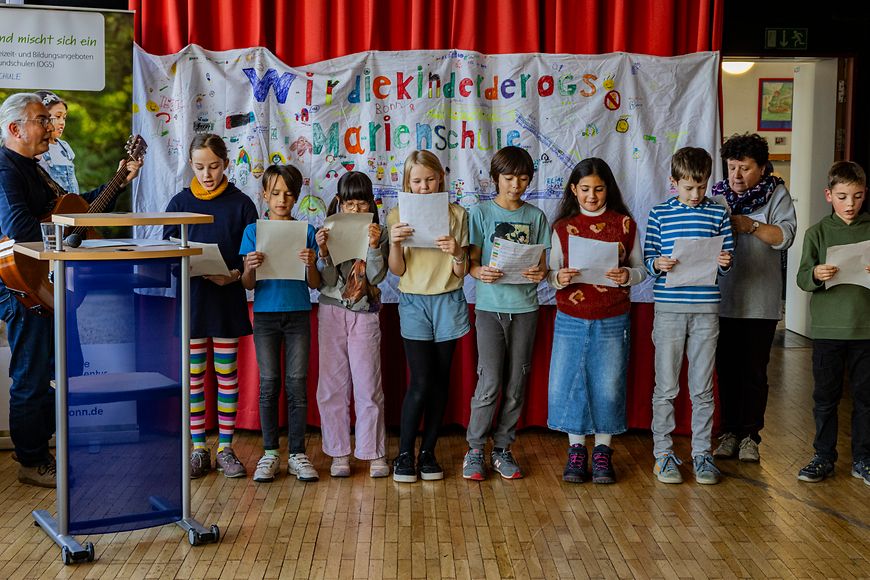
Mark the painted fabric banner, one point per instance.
(367, 111)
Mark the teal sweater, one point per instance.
(843, 311)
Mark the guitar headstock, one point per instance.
(136, 147)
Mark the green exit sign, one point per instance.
(786, 38)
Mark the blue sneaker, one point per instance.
(861, 470)
(472, 465)
(665, 468)
(706, 472)
(816, 470)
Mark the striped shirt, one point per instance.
(673, 219)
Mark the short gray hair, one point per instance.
(13, 109)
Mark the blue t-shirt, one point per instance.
(278, 295)
(525, 225)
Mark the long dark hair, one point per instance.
(354, 186)
(569, 207)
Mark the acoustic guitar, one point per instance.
(27, 278)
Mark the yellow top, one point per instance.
(430, 271)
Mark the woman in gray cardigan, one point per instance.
(763, 220)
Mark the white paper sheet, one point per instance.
(281, 241)
(697, 262)
(348, 236)
(428, 214)
(99, 243)
(513, 259)
(758, 217)
(209, 263)
(851, 259)
(593, 258)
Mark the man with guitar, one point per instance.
(26, 195)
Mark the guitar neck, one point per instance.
(106, 196)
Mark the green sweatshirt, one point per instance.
(843, 311)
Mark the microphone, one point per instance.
(73, 240)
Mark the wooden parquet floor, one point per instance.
(759, 522)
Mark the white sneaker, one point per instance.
(749, 451)
(379, 467)
(299, 465)
(340, 466)
(267, 469)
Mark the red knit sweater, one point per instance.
(589, 300)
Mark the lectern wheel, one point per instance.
(193, 537)
(65, 556)
(89, 546)
(215, 533)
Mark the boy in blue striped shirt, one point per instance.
(686, 317)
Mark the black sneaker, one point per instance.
(403, 468)
(816, 470)
(602, 465)
(576, 470)
(428, 466)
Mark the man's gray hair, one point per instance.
(13, 109)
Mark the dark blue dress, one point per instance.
(217, 311)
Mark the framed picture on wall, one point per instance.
(775, 104)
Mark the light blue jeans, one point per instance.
(588, 366)
(674, 333)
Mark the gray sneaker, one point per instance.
(504, 464)
(200, 463)
(749, 451)
(267, 469)
(665, 468)
(728, 446)
(706, 472)
(472, 466)
(227, 462)
(299, 465)
(44, 475)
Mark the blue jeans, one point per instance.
(588, 369)
(293, 329)
(31, 398)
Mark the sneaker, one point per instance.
(299, 465)
(749, 451)
(200, 463)
(504, 464)
(226, 461)
(472, 466)
(340, 466)
(665, 468)
(728, 446)
(267, 469)
(403, 468)
(576, 470)
(602, 465)
(860, 469)
(379, 467)
(706, 472)
(44, 475)
(816, 470)
(428, 466)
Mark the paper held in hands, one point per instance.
(851, 259)
(697, 262)
(348, 236)
(281, 241)
(593, 258)
(428, 214)
(513, 259)
(209, 263)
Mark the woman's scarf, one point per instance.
(752, 199)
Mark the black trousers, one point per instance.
(742, 354)
(831, 358)
(429, 363)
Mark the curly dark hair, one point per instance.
(750, 145)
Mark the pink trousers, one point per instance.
(350, 362)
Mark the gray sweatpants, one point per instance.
(696, 334)
(504, 354)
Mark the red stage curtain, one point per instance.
(300, 32)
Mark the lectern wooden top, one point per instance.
(131, 219)
(37, 251)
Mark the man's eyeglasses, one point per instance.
(45, 122)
